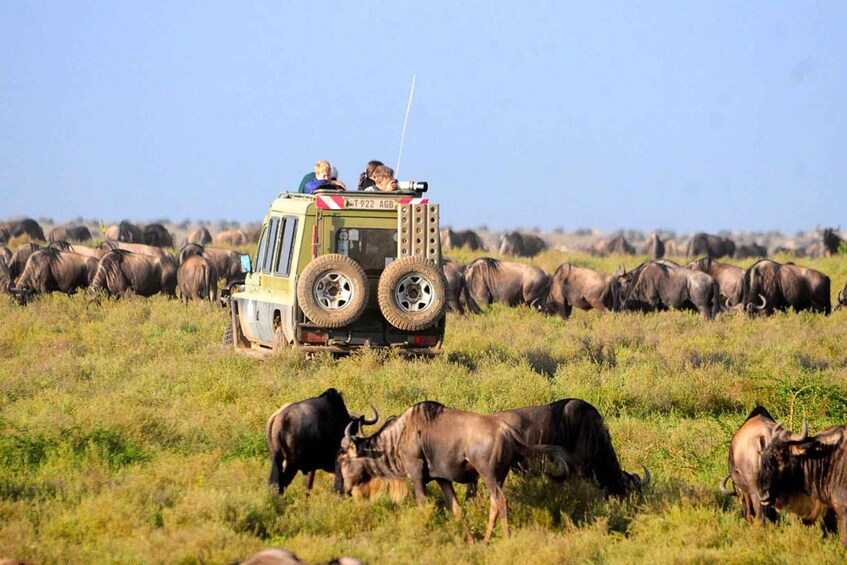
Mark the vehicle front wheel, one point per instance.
(411, 293)
(333, 290)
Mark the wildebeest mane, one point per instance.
(759, 411)
(60, 244)
(190, 249)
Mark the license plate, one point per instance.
(376, 203)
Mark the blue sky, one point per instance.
(679, 115)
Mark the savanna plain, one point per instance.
(130, 434)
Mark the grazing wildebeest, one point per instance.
(125, 232)
(140, 248)
(516, 244)
(769, 286)
(583, 288)
(226, 261)
(231, 237)
(729, 277)
(842, 298)
(490, 280)
(750, 250)
(615, 245)
(200, 236)
(5, 254)
(16, 228)
(430, 442)
(578, 428)
(713, 246)
(70, 233)
(458, 297)
(19, 258)
(745, 462)
(807, 475)
(831, 241)
(463, 238)
(662, 285)
(279, 556)
(121, 271)
(305, 436)
(197, 279)
(654, 247)
(49, 269)
(157, 235)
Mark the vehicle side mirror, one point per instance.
(246, 264)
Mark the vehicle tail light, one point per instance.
(312, 337)
(425, 340)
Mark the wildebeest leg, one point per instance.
(287, 476)
(470, 490)
(310, 480)
(498, 508)
(450, 496)
(416, 474)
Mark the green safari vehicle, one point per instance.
(336, 270)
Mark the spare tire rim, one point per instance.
(414, 293)
(333, 291)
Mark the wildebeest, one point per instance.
(490, 280)
(121, 271)
(200, 236)
(517, 244)
(5, 279)
(19, 258)
(577, 426)
(583, 288)
(140, 248)
(157, 235)
(279, 556)
(430, 442)
(197, 279)
(231, 237)
(745, 462)
(807, 475)
(16, 228)
(729, 277)
(458, 297)
(713, 246)
(125, 232)
(69, 233)
(841, 298)
(5, 254)
(769, 286)
(615, 245)
(305, 436)
(661, 285)
(831, 241)
(463, 238)
(226, 261)
(654, 247)
(746, 251)
(49, 269)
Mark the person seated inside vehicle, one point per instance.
(384, 178)
(323, 179)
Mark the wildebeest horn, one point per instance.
(646, 480)
(347, 432)
(725, 489)
(805, 433)
(366, 422)
(764, 302)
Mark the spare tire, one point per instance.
(333, 290)
(412, 293)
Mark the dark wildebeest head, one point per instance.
(157, 236)
(432, 442)
(305, 436)
(842, 298)
(806, 475)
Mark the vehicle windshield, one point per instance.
(372, 248)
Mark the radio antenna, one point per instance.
(403, 135)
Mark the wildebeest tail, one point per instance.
(716, 298)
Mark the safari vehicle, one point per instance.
(335, 271)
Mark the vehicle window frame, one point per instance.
(285, 249)
(273, 237)
(370, 269)
(261, 249)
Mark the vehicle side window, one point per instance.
(286, 246)
(260, 251)
(268, 258)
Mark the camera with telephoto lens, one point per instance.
(417, 186)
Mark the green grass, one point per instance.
(129, 435)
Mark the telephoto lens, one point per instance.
(417, 186)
